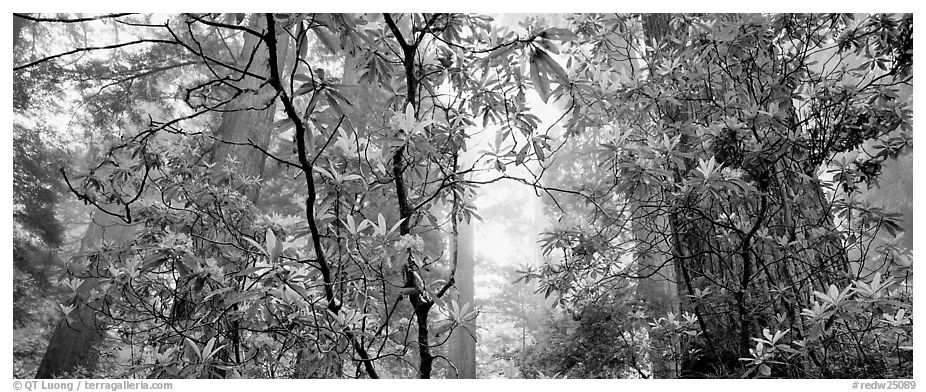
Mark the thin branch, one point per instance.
(88, 49)
(75, 20)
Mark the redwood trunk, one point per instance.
(462, 348)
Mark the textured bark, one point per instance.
(247, 125)
(18, 24)
(74, 342)
(20, 94)
(462, 348)
(658, 286)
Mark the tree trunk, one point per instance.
(462, 348)
(247, 125)
(74, 342)
(658, 287)
(18, 24)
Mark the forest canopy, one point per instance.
(298, 195)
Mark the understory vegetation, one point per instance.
(309, 195)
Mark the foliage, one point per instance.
(597, 341)
(867, 325)
(214, 286)
(735, 149)
(734, 140)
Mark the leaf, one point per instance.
(303, 89)
(240, 297)
(381, 227)
(324, 172)
(270, 239)
(333, 92)
(207, 350)
(765, 370)
(303, 42)
(334, 105)
(407, 122)
(364, 225)
(499, 165)
(256, 245)
(561, 34)
(708, 167)
(464, 311)
(327, 41)
(432, 220)
(309, 138)
(192, 346)
(396, 225)
(213, 293)
(548, 45)
(66, 309)
(497, 52)
(248, 271)
(310, 108)
(767, 334)
(553, 65)
(522, 155)
(442, 328)
(351, 225)
(538, 149)
(152, 261)
(779, 335)
(540, 82)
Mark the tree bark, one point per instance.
(74, 342)
(246, 125)
(462, 348)
(18, 24)
(657, 287)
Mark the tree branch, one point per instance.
(75, 20)
(333, 304)
(88, 49)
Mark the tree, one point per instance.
(462, 346)
(222, 286)
(73, 344)
(728, 130)
(705, 174)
